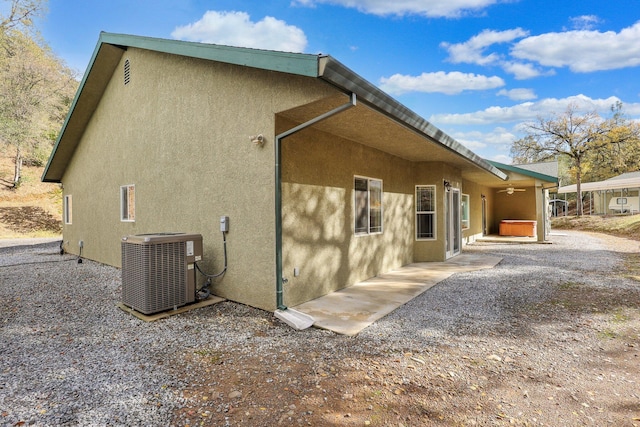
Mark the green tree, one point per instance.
(36, 88)
(619, 151)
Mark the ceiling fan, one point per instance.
(511, 190)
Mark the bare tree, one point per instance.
(570, 134)
(21, 14)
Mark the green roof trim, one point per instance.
(526, 172)
(111, 47)
(293, 63)
(104, 60)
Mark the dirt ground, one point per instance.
(582, 370)
(32, 210)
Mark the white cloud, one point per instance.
(520, 94)
(501, 158)
(528, 111)
(441, 82)
(476, 139)
(583, 51)
(236, 29)
(524, 71)
(584, 22)
(472, 51)
(430, 8)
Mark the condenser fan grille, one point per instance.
(157, 276)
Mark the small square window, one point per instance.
(128, 203)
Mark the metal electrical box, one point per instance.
(158, 270)
(224, 224)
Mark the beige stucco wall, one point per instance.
(528, 205)
(180, 132)
(318, 214)
(519, 205)
(476, 192)
(432, 173)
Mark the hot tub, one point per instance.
(518, 227)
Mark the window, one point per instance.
(425, 212)
(464, 207)
(128, 203)
(621, 201)
(368, 205)
(67, 205)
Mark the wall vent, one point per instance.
(158, 270)
(127, 72)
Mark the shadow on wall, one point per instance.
(320, 244)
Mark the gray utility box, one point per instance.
(158, 270)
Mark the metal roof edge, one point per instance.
(337, 74)
(72, 107)
(606, 184)
(303, 64)
(511, 168)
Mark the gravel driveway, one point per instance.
(69, 357)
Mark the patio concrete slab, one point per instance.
(350, 310)
(494, 238)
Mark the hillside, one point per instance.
(622, 226)
(34, 209)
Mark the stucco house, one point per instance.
(326, 180)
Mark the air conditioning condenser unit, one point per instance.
(158, 270)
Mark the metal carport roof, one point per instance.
(610, 184)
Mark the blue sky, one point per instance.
(477, 69)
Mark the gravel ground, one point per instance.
(70, 357)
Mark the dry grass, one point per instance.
(32, 210)
(622, 226)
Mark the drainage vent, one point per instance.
(127, 72)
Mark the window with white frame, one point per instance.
(128, 203)
(425, 212)
(67, 209)
(464, 208)
(368, 205)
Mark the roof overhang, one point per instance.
(335, 73)
(94, 82)
(517, 176)
(390, 126)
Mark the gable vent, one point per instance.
(127, 72)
